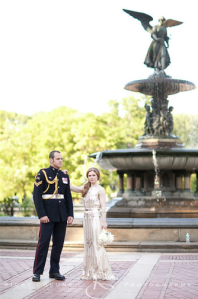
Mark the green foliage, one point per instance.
(193, 182)
(186, 127)
(8, 204)
(27, 141)
(10, 123)
(27, 207)
(133, 121)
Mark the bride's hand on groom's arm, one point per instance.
(65, 171)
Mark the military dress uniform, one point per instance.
(52, 198)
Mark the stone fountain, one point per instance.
(159, 168)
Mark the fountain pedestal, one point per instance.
(156, 142)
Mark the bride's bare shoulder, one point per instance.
(101, 189)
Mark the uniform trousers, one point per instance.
(57, 231)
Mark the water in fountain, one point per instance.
(157, 178)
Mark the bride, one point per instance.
(95, 263)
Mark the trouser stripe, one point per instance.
(37, 251)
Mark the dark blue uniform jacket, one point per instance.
(56, 209)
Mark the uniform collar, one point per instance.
(54, 169)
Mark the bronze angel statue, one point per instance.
(157, 56)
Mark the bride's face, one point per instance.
(92, 177)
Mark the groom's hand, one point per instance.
(70, 220)
(44, 219)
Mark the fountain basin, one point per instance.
(142, 159)
(144, 197)
(164, 84)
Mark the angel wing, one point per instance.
(143, 18)
(171, 23)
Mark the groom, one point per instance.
(54, 206)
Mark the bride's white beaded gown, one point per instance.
(95, 264)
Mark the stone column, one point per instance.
(187, 190)
(187, 181)
(178, 184)
(130, 186)
(121, 184)
(178, 181)
(129, 181)
(196, 192)
(138, 184)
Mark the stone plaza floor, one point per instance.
(139, 276)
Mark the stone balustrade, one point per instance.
(23, 232)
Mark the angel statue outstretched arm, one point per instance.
(157, 56)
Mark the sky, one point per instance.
(81, 54)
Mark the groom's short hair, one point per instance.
(51, 155)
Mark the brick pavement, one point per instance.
(30, 253)
(173, 276)
(172, 280)
(17, 268)
(74, 287)
(179, 257)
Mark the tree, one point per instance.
(10, 123)
(133, 119)
(186, 127)
(27, 141)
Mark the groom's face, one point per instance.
(57, 162)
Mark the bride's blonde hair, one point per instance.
(87, 185)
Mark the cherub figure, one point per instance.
(148, 121)
(170, 120)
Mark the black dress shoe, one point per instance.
(36, 277)
(57, 276)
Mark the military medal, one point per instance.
(65, 180)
